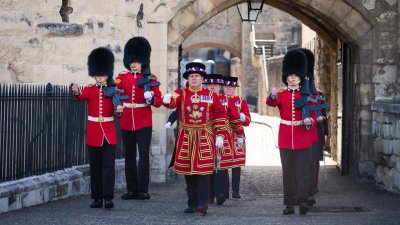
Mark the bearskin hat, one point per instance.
(310, 62)
(137, 49)
(101, 62)
(195, 67)
(294, 62)
(231, 81)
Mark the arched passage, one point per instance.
(332, 20)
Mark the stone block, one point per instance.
(379, 174)
(386, 147)
(31, 198)
(7, 76)
(369, 4)
(353, 23)
(386, 74)
(396, 147)
(16, 202)
(397, 166)
(396, 179)
(46, 73)
(396, 128)
(387, 18)
(58, 50)
(3, 204)
(367, 168)
(30, 5)
(386, 130)
(62, 190)
(60, 29)
(366, 127)
(388, 180)
(378, 145)
(76, 186)
(393, 161)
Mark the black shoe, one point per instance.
(129, 196)
(189, 210)
(108, 204)
(303, 208)
(220, 199)
(144, 196)
(236, 195)
(201, 211)
(288, 210)
(311, 201)
(97, 203)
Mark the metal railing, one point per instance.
(42, 129)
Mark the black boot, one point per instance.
(201, 211)
(144, 196)
(236, 195)
(303, 208)
(108, 204)
(311, 201)
(97, 203)
(129, 195)
(189, 210)
(220, 199)
(288, 210)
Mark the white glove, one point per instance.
(219, 142)
(240, 141)
(148, 95)
(242, 117)
(326, 138)
(167, 99)
(320, 119)
(168, 125)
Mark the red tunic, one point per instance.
(98, 107)
(234, 128)
(136, 118)
(241, 106)
(195, 145)
(290, 137)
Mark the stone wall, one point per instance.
(52, 186)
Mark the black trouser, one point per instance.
(102, 171)
(221, 180)
(198, 190)
(296, 174)
(314, 168)
(137, 176)
(236, 179)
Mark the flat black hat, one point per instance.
(213, 79)
(101, 62)
(137, 49)
(195, 67)
(231, 81)
(294, 62)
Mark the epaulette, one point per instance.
(282, 89)
(89, 85)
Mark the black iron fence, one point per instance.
(42, 129)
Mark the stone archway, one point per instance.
(332, 20)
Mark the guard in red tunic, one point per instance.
(242, 108)
(143, 91)
(101, 135)
(294, 140)
(225, 155)
(196, 143)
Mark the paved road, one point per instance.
(342, 200)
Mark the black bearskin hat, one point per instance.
(137, 49)
(294, 62)
(310, 62)
(195, 67)
(101, 62)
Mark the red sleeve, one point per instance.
(234, 117)
(84, 94)
(244, 108)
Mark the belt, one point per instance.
(100, 119)
(292, 123)
(134, 105)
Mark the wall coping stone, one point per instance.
(386, 107)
